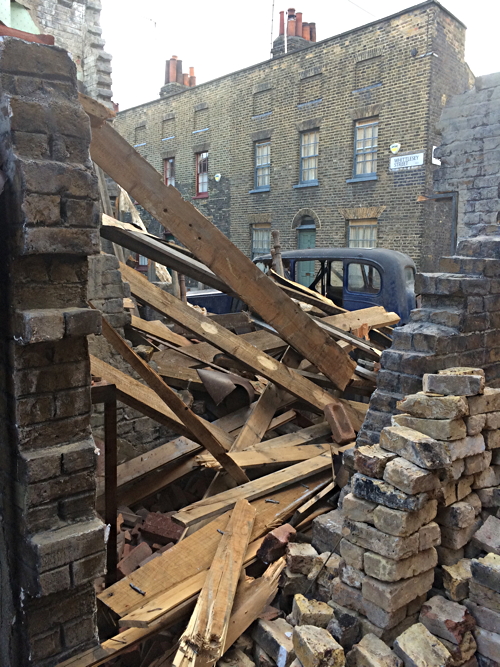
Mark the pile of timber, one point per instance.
(262, 405)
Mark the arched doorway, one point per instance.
(306, 238)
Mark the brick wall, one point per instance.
(51, 542)
(409, 88)
(76, 28)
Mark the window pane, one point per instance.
(261, 241)
(309, 148)
(363, 278)
(362, 235)
(262, 164)
(202, 172)
(365, 142)
(170, 171)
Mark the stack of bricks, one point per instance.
(413, 495)
(484, 605)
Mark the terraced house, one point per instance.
(329, 142)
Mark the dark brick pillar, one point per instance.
(457, 325)
(51, 542)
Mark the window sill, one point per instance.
(266, 189)
(203, 195)
(361, 179)
(309, 184)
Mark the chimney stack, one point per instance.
(175, 78)
(294, 34)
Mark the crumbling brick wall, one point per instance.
(458, 322)
(75, 24)
(51, 542)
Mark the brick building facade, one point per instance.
(274, 145)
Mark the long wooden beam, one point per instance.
(273, 370)
(211, 247)
(196, 426)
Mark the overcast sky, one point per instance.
(226, 35)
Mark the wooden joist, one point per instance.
(260, 456)
(226, 341)
(204, 639)
(158, 330)
(375, 317)
(195, 553)
(211, 247)
(197, 427)
(210, 507)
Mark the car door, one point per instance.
(363, 284)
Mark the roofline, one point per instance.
(428, 3)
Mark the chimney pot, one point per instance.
(312, 27)
(298, 24)
(178, 77)
(172, 70)
(306, 31)
(291, 12)
(290, 28)
(173, 58)
(191, 71)
(185, 79)
(282, 23)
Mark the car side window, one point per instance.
(363, 278)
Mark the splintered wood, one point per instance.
(248, 448)
(204, 639)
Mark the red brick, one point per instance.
(275, 543)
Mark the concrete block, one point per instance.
(416, 447)
(488, 536)
(457, 515)
(456, 579)
(453, 384)
(368, 537)
(489, 401)
(350, 575)
(439, 429)
(461, 653)
(392, 596)
(417, 647)
(455, 538)
(371, 460)
(486, 571)
(352, 554)
(380, 492)
(300, 557)
(477, 463)
(485, 618)
(475, 424)
(315, 647)
(386, 569)
(427, 406)
(446, 619)
(409, 478)
(327, 531)
(403, 524)
(487, 478)
(310, 612)
(449, 556)
(488, 643)
(344, 627)
(372, 652)
(275, 638)
(357, 509)
(484, 596)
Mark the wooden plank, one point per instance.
(180, 377)
(195, 553)
(374, 317)
(211, 247)
(253, 458)
(226, 341)
(204, 353)
(210, 507)
(203, 641)
(140, 397)
(200, 429)
(251, 598)
(371, 349)
(158, 330)
(152, 248)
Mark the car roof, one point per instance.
(380, 255)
